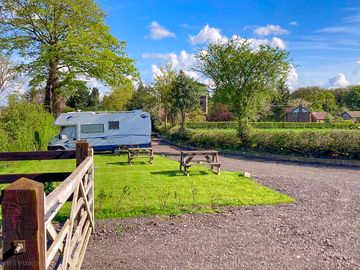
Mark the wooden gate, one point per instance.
(31, 238)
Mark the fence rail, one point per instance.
(31, 237)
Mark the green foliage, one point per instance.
(146, 98)
(308, 142)
(319, 99)
(352, 99)
(118, 99)
(62, 40)
(244, 78)
(4, 140)
(271, 125)
(26, 126)
(84, 99)
(163, 84)
(184, 96)
(159, 189)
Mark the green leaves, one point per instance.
(244, 77)
(67, 36)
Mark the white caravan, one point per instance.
(103, 130)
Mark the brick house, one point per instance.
(302, 114)
(298, 114)
(351, 115)
(319, 117)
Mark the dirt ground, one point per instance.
(320, 231)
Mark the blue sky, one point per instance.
(322, 36)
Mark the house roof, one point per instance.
(291, 109)
(320, 115)
(354, 114)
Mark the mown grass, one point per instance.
(122, 190)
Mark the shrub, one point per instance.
(269, 125)
(27, 126)
(314, 143)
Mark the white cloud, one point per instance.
(167, 57)
(293, 23)
(255, 43)
(158, 31)
(207, 34)
(358, 62)
(183, 60)
(292, 79)
(278, 42)
(270, 29)
(338, 81)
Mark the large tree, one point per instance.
(320, 99)
(163, 84)
(118, 98)
(353, 98)
(147, 99)
(8, 74)
(184, 96)
(62, 41)
(243, 76)
(84, 99)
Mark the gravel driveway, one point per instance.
(320, 231)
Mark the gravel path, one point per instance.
(320, 231)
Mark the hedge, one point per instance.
(314, 143)
(25, 127)
(268, 125)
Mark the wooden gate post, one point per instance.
(82, 151)
(23, 225)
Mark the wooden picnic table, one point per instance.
(209, 157)
(146, 152)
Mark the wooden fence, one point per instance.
(31, 237)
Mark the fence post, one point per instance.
(82, 151)
(23, 225)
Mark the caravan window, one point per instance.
(114, 125)
(69, 132)
(96, 128)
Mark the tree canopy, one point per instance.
(62, 41)
(184, 96)
(243, 77)
(118, 98)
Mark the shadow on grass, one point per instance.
(124, 163)
(178, 173)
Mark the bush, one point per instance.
(270, 125)
(26, 126)
(314, 143)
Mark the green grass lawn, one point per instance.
(122, 190)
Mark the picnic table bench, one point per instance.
(140, 153)
(211, 158)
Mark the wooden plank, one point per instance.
(198, 152)
(87, 206)
(57, 243)
(56, 199)
(23, 219)
(38, 177)
(38, 155)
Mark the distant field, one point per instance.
(122, 190)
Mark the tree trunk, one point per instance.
(244, 129)
(182, 124)
(166, 115)
(51, 101)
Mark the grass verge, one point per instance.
(122, 190)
